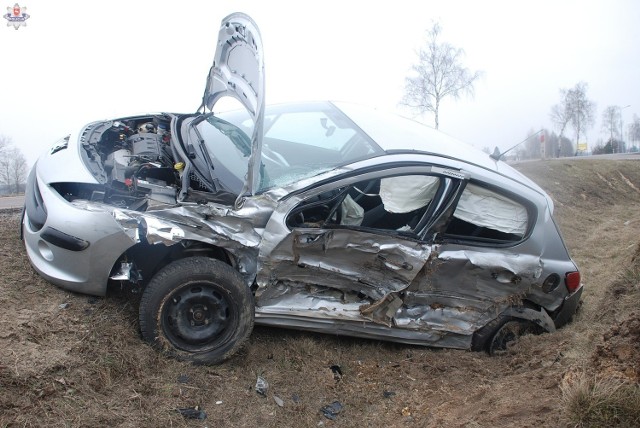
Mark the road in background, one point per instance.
(7, 202)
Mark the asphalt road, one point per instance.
(7, 202)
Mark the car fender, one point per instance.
(540, 318)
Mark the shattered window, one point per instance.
(484, 213)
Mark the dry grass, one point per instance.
(591, 401)
(84, 364)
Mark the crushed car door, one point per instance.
(479, 256)
(311, 239)
(479, 271)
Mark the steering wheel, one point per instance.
(364, 192)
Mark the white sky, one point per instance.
(78, 61)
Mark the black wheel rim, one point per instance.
(196, 317)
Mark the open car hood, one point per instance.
(238, 72)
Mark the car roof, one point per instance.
(397, 134)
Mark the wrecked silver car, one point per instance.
(322, 216)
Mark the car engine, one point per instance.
(133, 161)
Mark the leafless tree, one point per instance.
(561, 113)
(634, 130)
(574, 109)
(13, 166)
(611, 117)
(583, 110)
(438, 74)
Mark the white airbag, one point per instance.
(486, 208)
(407, 193)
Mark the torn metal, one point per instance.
(452, 296)
(234, 231)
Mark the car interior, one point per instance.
(362, 205)
(481, 216)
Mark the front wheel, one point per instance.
(197, 309)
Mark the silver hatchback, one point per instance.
(321, 216)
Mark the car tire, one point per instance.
(197, 309)
(498, 335)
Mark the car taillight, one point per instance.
(572, 281)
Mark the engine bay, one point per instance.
(132, 160)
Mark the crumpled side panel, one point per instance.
(374, 265)
(235, 231)
(460, 291)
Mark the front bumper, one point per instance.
(72, 246)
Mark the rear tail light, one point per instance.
(572, 280)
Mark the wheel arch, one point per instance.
(528, 312)
(535, 314)
(147, 259)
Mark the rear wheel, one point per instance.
(197, 309)
(498, 335)
(508, 334)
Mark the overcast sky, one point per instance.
(78, 61)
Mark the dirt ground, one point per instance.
(70, 360)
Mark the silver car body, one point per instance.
(117, 200)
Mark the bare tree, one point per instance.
(611, 125)
(574, 109)
(611, 117)
(583, 110)
(13, 166)
(561, 113)
(438, 74)
(634, 132)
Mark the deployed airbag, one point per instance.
(407, 193)
(486, 208)
(352, 213)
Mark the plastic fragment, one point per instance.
(262, 386)
(192, 413)
(279, 401)
(331, 411)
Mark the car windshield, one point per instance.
(300, 141)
